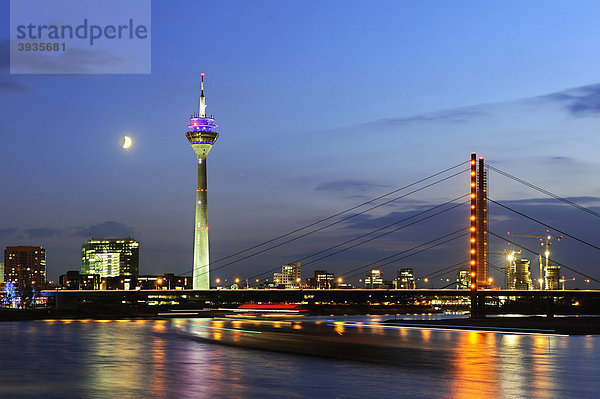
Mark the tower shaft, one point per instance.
(201, 280)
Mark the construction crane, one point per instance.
(545, 242)
(563, 280)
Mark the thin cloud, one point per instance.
(579, 101)
(454, 116)
(42, 232)
(105, 229)
(348, 185)
(7, 232)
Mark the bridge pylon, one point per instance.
(478, 235)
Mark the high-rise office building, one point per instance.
(25, 265)
(289, 276)
(1, 272)
(201, 136)
(463, 279)
(111, 257)
(406, 279)
(374, 279)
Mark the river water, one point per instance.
(161, 359)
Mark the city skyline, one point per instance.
(387, 104)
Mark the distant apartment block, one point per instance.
(25, 265)
(289, 276)
(322, 280)
(374, 279)
(406, 279)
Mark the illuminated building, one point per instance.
(374, 279)
(322, 280)
(406, 279)
(201, 136)
(289, 276)
(552, 277)
(110, 257)
(167, 281)
(463, 279)
(25, 265)
(522, 279)
(511, 273)
(73, 280)
(1, 272)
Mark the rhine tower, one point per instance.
(201, 136)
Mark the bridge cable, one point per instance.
(369, 233)
(544, 224)
(566, 201)
(443, 270)
(372, 264)
(328, 225)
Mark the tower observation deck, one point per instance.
(201, 136)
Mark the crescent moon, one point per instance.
(127, 142)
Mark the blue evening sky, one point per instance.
(321, 105)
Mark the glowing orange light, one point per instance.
(472, 184)
(472, 228)
(472, 251)
(472, 262)
(472, 195)
(472, 217)
(472, 286)
(472, 274)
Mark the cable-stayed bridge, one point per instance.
(478, 225)
(473, 236)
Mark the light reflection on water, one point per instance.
(152, 358)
